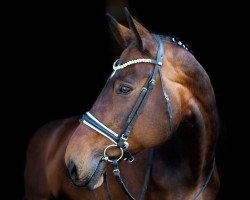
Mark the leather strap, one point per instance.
(168, 104)
(147, 174)
(119, 180)
(146, 90)
(121, 183)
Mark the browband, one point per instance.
(131, 62)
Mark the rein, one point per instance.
(120, 140)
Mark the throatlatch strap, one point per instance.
(168, 104)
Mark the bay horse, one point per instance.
(156, 118)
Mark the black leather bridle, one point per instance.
(120, 140)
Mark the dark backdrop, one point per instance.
(62, 54)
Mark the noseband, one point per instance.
(120, 140)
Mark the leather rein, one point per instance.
(120, 140)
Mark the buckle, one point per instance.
(131, 159)
(159, 63)
(151, 84)
(124, 138)
(116, 171)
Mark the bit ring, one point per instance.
(106, 158)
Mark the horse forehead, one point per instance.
(130, 53)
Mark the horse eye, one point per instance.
(124, 89)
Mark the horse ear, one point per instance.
(122, 34)
(138, 30)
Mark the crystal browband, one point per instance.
(116, 66)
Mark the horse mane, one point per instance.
(177, 41)
(196, 78)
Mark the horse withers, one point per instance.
(156, 118)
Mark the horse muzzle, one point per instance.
(94, 177)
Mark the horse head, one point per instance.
(149, 94)
(114, 105)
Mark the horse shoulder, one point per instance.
(45, 158)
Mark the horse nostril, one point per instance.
(73, 172)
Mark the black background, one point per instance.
(60, 55)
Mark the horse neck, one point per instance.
(187, 155)
(189, 152)
(183, 163)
